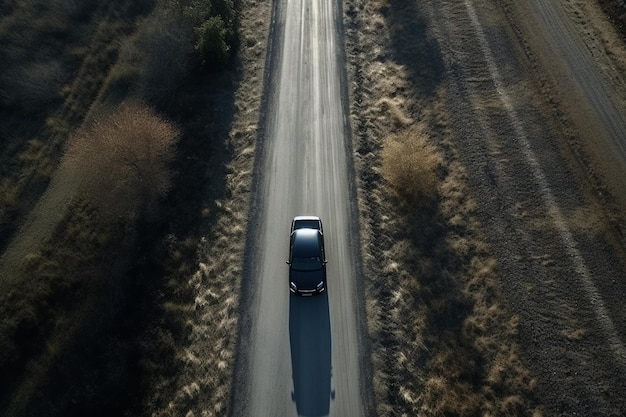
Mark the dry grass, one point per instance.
(46, 305)
(444, 344)
(409, 163)
(57, 56)
(88, 304)
(189, 352)
(443, 341)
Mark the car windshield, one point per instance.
(311, 263)
(307, 224)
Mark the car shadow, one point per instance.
(309, 337)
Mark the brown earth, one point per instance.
(522, 196)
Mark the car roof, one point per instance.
(306, 242)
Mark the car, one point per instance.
(307, 256)
(306, 222)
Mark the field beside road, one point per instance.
(492, 220)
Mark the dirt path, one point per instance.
(555, 270)
(527, 94)
(580, 60)
(560, 274)
(37, 228)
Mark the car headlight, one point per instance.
(293, 287)
(320, 285)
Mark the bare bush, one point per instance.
(409, 164)
(122, 158)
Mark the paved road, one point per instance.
(300, 356)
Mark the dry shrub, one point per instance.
(443, 396)
(396, 113)
(156, 59)
(122, 158)
(444, 344)
(409, 164)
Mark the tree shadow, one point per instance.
(309, 339)
(412, 46)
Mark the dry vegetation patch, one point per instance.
(102, 321)
(57, 56)
(189, 352)
(122, 159)
(409, 163)
(446, 344)
(443, 341)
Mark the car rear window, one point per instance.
(307, 224)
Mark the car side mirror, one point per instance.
(288, 263)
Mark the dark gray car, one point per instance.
(307, 258)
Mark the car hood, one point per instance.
(307, 280)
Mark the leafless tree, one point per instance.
(122, 159)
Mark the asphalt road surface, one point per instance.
(301, 355)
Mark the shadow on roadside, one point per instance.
(412, 46)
